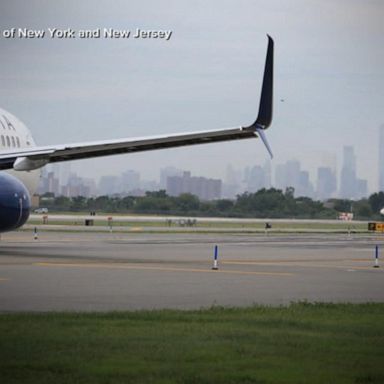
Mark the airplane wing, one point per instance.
(27, 159)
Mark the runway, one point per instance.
(86, 271)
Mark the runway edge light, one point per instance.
(376, 257)
(215, 266)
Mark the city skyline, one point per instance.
(346, 183)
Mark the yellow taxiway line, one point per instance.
(155, 268)
(303, 263)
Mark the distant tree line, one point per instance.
(265, 203)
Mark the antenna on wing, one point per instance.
(264, 117)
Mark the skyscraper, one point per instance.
(232, 185)
(290, 174)
(256, 179)
(287, 175)
(381, 158)
(268, 174)
(168, 172)
(129, 181)
(203, 188)
(304, 188)
(348, 182)
(326, 183)
(108, 185)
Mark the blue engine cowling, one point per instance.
(15, 203)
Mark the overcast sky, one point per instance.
(329, 70)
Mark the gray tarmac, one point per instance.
(86, 271)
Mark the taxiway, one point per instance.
(86, 271)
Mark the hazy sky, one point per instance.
(329, 69)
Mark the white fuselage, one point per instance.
(13, 135)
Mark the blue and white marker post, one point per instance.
(215, 267)
(376, 257)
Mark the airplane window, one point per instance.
(2, 124)
(8, 142)
(10, 126)
(18, 142)
(2, 140)
(13, 142)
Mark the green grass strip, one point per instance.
(300, 343)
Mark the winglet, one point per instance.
(263, 137)
(264, 118)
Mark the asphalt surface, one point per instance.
(105, 271)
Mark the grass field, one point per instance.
(277, 227)
(302, 343)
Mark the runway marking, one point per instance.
(164, 269)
